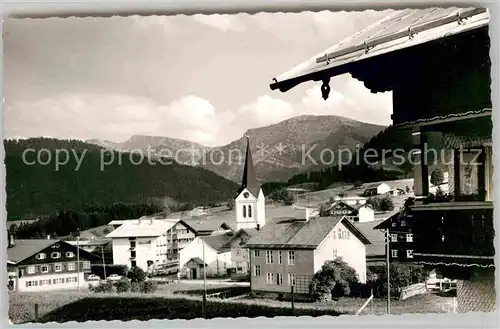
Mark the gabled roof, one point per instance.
(23, 249)
(217, 241)
(249, 180)
(241, 232)
(26, 248)
(376, 237)
(143, 228)
(299, 234)
(402, 29)
(338, 202)
(202, 224)
(196, 260)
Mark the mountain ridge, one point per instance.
(293, 136)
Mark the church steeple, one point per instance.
(249, 180)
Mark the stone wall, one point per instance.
(478, 293)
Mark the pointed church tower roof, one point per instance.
(249, 180)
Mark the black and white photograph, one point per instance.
(314, 163)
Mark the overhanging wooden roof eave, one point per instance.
(437, 121)
(310, 73)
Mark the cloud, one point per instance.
(266, 110)
(221, 22)
(115, 117)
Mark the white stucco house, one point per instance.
(377, 189)
(216, 256)
(149, 242)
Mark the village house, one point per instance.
(288, 252)
(376, 189)
(357, 213)
(150, 242)
(46, 264)
(436, 62)
(199, 211)
(240, 258)
(209, 224)
(213, 250)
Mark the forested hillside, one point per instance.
(35, 187)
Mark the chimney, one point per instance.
(258, 227)
(11, 241)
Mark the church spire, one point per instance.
(249, 180)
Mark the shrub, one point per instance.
(136, 274)
(334, 279)
(401, 275)
(384, 203)
(148, 287)
(437, 177)
(135, 287)
(104, 287)
(122, 286)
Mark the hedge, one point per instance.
(144, 309)
(226, 292)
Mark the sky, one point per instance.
(203, 78)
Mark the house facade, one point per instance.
(46, 264)
(436, 62)
(377, 189)
(240, 256)
(150, 243)
(210, 250)
(289, 252)
(100, 247)
(357, 213)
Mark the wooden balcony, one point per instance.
(453, 232)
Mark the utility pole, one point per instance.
(103, 263)
(387, 252)
(204, 281)
(78, 260)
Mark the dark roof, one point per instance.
(388, 35)
(376, 237)
(299, 234)
(218, 241)
(196, 260)
(386, 224)
(206, 223)
(23, 249)
(248, 231)
(249, 180)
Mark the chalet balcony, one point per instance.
(453, 232)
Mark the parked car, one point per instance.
(93, 277)
(114, 277)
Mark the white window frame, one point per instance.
(291, 257)
(280, 257)
(86, 265)
(46, 269)
(56, 266)
(256, 253)
(394, 253)
(55, 255)
(269, 257)
(409, 253)
(41, 256)
(269, 278)
(409, 237)
(256, 270)
(292, 279)
(71, 267)
(70, 254)
(335, 253)
(279, 279)
(31, 270)
(394, 237)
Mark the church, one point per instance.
(250, 202)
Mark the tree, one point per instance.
(136, 274)
(401, 275)
(437, 177)
(386, 204)
(333, 279)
